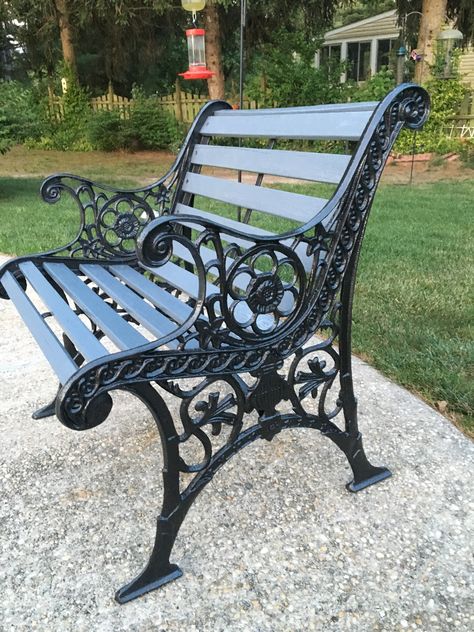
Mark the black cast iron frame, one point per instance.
(249, 362)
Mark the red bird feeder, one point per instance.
(196, 56)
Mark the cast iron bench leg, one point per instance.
(159, 570)
(365, 474)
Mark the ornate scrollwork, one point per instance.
(109, 220)
(264, 286)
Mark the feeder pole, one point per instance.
(243, 11)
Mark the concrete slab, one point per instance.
(274, 543)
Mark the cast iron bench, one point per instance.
(157, 294)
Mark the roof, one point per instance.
(383, 25)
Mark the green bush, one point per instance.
(446, 97)
(20, 114)
(377, 87)
(106, 131)
(149, 126)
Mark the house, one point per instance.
(372, 43)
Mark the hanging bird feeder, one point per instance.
(196, 45)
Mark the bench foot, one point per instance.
(365, 474)
(379, 474)
(146, 582)
(45, 411)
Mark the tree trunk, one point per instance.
(432, 19)
(65, 31)
(213, 52)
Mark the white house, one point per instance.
(368, 45)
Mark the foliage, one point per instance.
(71, 132)
(106, 131)
(466, 153)
(151, 127)
(376, 88)
(285, 74)
(446, 97)
(19, 114)
(353, 11)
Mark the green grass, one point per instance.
(413, 315)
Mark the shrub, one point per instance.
(71, 133)
(20, 114)
(446, 98)
(106, 131)
(377, 87)
(149, 126)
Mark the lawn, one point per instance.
(413, 315)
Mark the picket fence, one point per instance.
(183, 105)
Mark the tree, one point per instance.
(215, 84)
(66, 34)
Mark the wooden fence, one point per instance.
(183, 105)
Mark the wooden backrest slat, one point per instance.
(304, 165)
(295, 206)
(323, 125)
(365, 106)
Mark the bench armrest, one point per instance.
(109, 218)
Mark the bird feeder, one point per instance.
(196, 56)
(196, 45)
(449, 39)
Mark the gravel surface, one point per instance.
(274, 543)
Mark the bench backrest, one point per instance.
(248, 161)
(260, 284)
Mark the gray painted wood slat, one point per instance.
(224, 221)
(240, 226)
(305, 126)
(181, 279)
(144, 313)
(281, 203)
(166, 302)
(84, 340)
(60, 361)
(290, 164)
(331, 107)
(113, 325)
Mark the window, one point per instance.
(332, 53)
(358, 55)
(384, 57)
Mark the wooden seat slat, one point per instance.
(60, 361)
(319, 125)
(84, 340)
(181, 279)
(141, 311)
(113, 325)
(166, 302)
(299, 207)
(303, 165)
